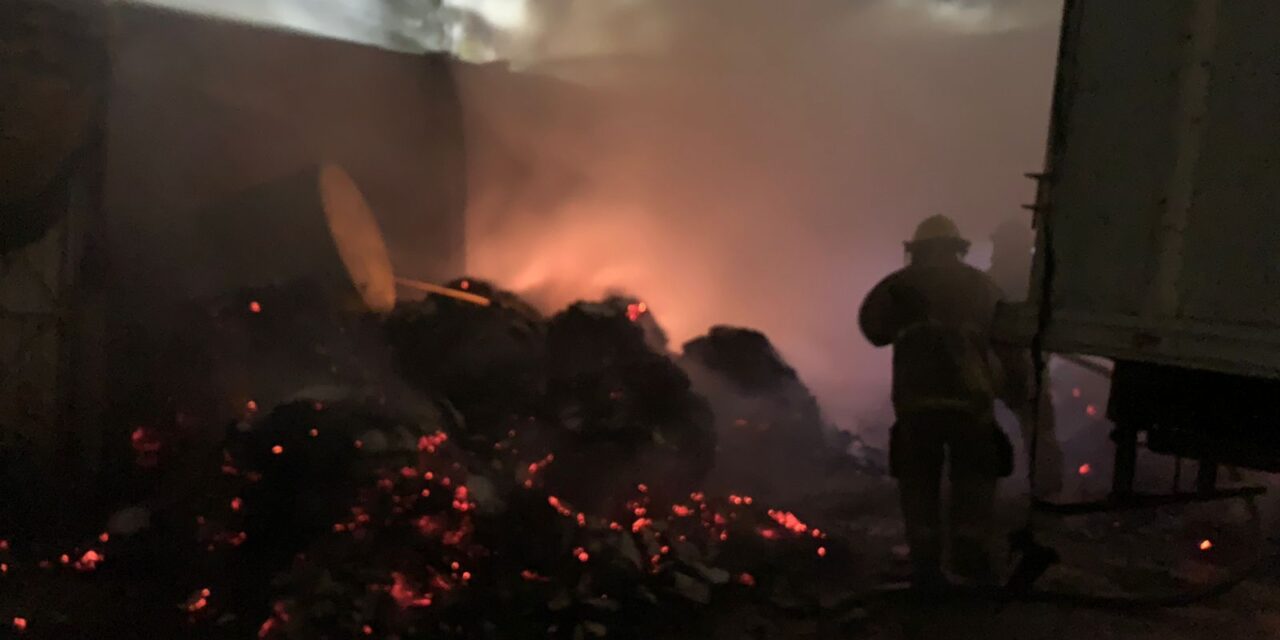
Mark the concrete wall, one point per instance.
(201, 110)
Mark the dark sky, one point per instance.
(759, 162)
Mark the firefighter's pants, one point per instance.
(979, 455)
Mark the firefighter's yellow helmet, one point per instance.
(937, 228)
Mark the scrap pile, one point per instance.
(529, 476)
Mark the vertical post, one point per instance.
(1207, 476)
(1126, 461)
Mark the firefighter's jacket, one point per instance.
(938, 316)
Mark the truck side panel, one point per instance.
(1164, 182)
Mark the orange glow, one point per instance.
(64, 559)
(581, 554)
(635, 311)
(788, 520)
(255, 307)
(4, 568)
(251, 406)
(1091, 410)
(559, 506)
(681, 511)
(368, 630)
(747, 580)
(1206, 544)
(466, 285)
(642, 488)
(455, 566)
(104, 537)
(4, 545)
(20, 623)
(277, 450)
(89, 561)
(236, 503)
(640, 524)
(359, 444)
(822, 552)
(532, 576)
(466, 576)
(1085, 469)
(313, 433)
(697, 496)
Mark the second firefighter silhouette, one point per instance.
(937, 312)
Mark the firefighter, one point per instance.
(937, 312)
(1012, 244)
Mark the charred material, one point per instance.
(768, 422)
(488, 361)
(620, 401)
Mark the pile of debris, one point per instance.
(458, 470)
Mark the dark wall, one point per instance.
(201, 110)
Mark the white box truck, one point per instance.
(1158, 223)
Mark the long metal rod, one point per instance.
(427, 287)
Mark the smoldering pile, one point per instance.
(465, 470)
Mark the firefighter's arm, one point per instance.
(877, 318)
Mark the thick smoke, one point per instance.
(752, 162)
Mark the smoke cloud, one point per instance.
(752, 162)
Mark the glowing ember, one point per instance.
(251, 406)
(747, 580)
(405, 596)
(466, 576)
(640, 524)
(559, 506)
(87, 562)
(1075, 393)
(1091, 410)
(313, 433)
(533, 576)
(104, 537)
(455, 566)
(636, 310)
(1206, 544)
(431, 442)
(368, 630)
(236, 503)
(768, 534)
(681, 511)
(277, 450)
(20, 623)
(4, 545)
(737, 500)
(4, 568)
(460, 501)
(581, 554)
(255, 307)
(822, 552)
(359, 444)
(697, 496)
(582, 519)
(64, 559)
(642, 488)
(198, 601)
(466, 285)
(1085, 469)
(788, 520)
